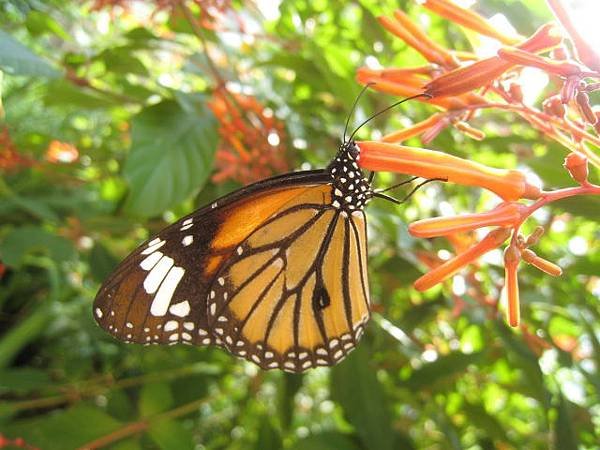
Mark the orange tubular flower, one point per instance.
(468, 19)
(504, 215)
(406, 30)
(382, 156)
(252, 140)
(485, 71)
(493, 240)
(415, 130)
(517, 56)
(540, 263)
(512, 256)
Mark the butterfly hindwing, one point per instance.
(158, 294)
(294, 294)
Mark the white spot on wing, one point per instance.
(151, 261)
(171, 325)
(157, 274)
(153, 247)
(160, 304)
(187, 240)
(181, 309)
(99, 313)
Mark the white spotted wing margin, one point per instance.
(303, 300)
(158, 294)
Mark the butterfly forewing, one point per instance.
(158, 294)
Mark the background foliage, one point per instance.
(108, 135)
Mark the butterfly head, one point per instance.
(351, 190)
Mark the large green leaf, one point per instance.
(23, 379)
(355, 387)
(30, 239)
(171, 156)
(64, 429)
(17, 59)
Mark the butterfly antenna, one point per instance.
(380, 194)
(362, 91)
(393, 105)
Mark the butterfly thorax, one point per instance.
(350, 189)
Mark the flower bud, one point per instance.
(577, 165)
(544, 265)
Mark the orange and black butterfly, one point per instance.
(275, 272)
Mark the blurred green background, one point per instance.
(100, 97)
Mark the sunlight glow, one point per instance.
(489, 46)
(585, 15)
(533, 81)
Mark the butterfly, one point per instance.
(275, 273)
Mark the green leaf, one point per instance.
(326, 441)
(355, 387)
(61, 93)
(38, 23)
(23, 379)
(17, 59)
(170, 434)
(30, 239)
(478, 416)
(564, 434)
(443, 369)
(525, 359)
(171, 155)
(63, 429)
(290, 384)
(268, 436)
(155, 398)
(102, 262)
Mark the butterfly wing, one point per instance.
(158, 294)
(294, 295)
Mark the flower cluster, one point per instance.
(460, 84)
(252, 139)
(10, 158)
(61, 152)
(211, 10)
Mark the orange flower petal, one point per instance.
(467, 78)
(585, 109)
(511, 283)
(517, 56)
(415, 130)
(468, 19)
(504, 215)
(485, 71)
(383, 156)
(448, 60)
(423, 46)
(493, 240)
(543, 264)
